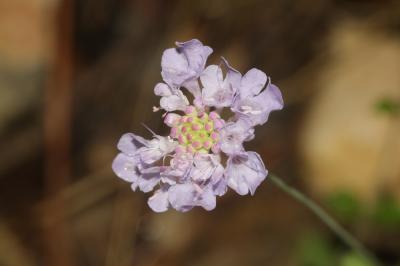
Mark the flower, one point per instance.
(203, 155)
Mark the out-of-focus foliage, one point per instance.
(352, 259)
(316, 250)
(387, 213)
(345, 206)
(388, 106)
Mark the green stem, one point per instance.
(325, 217)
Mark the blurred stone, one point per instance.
(12, 253)
(25, 28)
(346, 143)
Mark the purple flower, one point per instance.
(203, 155)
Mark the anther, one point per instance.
(182, 139)
(214, 136)
(196, 144)
(213, 115)
(196, 127)
(190, 109)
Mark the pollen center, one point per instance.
(196, 131)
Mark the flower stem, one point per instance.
(326, 218)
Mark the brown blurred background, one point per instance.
(76, 74)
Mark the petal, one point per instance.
(175, 67)
(125, 167)
(258, 108)
(182, 197)
(166, 144)
(184, 63)
(196, 54)
(233, 134)
(218, 181)
(252, 83)
(162, 89)
(149, 155)
(207, 200)
(211, 78)
(172, 119)
(149, 179)
(204, 167)
(192, 85)
(176, 101)
(220, 187)
(217, 92)
(159, 201)
(245, 172)
(129, 143)
(233, 77)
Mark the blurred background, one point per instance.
(77, 74)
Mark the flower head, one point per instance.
(203, 154)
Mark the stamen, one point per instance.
(213, 115)
(196, 144)
(182, 139)
(196, 127)
(214, 136)
(218, 123)
(190, 109)
(207, 144)
(172, 119)
(209, 126)
(215, 148)
(174, 132)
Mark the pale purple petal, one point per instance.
(207, 200)
(211, 78)
(252, 83)
(233, 134)
(192, 85)
(166, 144)
(220, 186)
(149, 178)
(125, 167)
(156, 149)
(217, 91)
(162, 89)
(176, 101)
(129, 143)
(233, 77)
(258, 108)
(204, 166)
(180, 167)
(182, 197)
(159, 201)
(183, 63)
(196, 54)
(172, 119)
(175, 67)
(218, 181)
(245, 172)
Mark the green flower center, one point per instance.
(197, 131)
